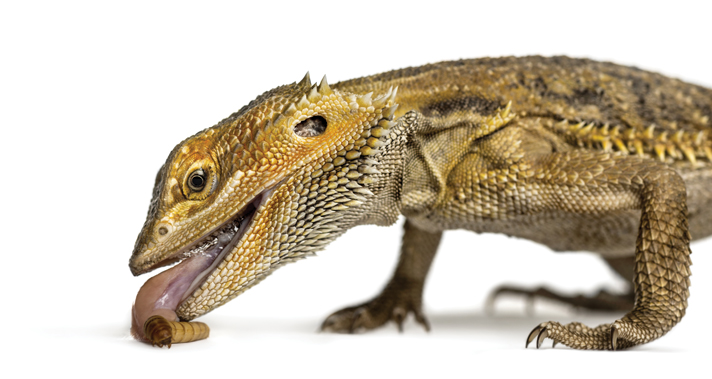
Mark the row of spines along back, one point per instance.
(651, 141)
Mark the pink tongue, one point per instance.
(161, 294)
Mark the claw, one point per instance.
(329, 322)
(553, 345)
(542, 336)
(398, 317)
(326, 324)
(614, 338)
(356, 317)
(422, 321)
(532, 335)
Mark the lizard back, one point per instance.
(590, 104)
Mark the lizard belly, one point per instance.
(611, 235)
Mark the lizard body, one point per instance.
(570, 153)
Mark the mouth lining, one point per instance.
(216, 245)
(202, 257)
(222, 235)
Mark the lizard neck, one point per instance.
(431, 100)
(386, 173)
(427, 88)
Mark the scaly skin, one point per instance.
(573, 154)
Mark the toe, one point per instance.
(533, 334)
(541, 337)
(614, 338)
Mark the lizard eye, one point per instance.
(197, 180)
(311, 127)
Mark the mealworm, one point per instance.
(161, 332)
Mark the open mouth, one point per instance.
(163, 293)
(202, 257)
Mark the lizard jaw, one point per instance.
(212, 249)
(204, 255)
(163, 293)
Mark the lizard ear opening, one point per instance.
(311, 127)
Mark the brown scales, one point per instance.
(574, 154)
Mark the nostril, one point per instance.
(162, 231)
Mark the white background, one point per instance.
(94, 96)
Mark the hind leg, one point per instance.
(662, 252)
(602, 301)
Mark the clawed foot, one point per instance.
(374, 314)
(619, 335)
(602, 301)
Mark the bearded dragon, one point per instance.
(574, 154)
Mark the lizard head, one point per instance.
(272, 183)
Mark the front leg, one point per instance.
(599, 182)
(403, 293)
